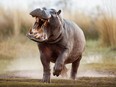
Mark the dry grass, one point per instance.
(22, 22)
(103, 27)
(107, 30)
(85, 22)
(6, 23)
(14, 22)
(12, 47)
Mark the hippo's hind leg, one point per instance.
(75, 66)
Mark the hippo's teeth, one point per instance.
(37, 37)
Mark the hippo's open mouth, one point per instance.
(37, 33)
(41, 21)
(32, 37)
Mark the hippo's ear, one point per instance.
(59, 12)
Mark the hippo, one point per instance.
(60, 41)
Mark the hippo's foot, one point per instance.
(46, 78)
(57, 69)
(73, 75)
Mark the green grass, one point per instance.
(81, 82)
(108, 55)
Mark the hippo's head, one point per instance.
(47, 25)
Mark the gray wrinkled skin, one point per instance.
(59, 41)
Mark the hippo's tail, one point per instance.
(64, 71)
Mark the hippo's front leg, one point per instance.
(46, 68)
(60, 63)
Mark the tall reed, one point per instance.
(85, 22)
(14, 22)
(107, 30)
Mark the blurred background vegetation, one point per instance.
(98, 24)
